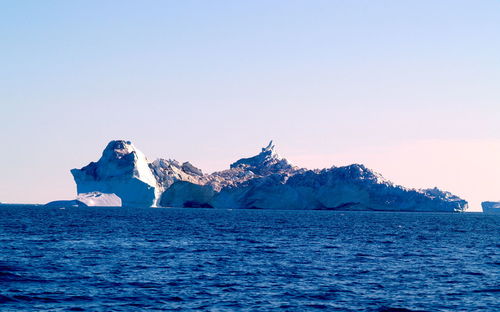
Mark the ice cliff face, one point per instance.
(122, 170)
(264, 181)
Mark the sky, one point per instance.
(408, 88)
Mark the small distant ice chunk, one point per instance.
(99, 199)
(65, 204)
(88, 199)
(491, 207)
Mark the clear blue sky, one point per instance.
(411, 88)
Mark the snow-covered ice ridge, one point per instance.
(264, 181)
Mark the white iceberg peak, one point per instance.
(270, 147)
(123, 170)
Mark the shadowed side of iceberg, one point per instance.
(188, 195)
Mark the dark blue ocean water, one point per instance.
(112, 259)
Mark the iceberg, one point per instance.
(491, 207)
(353, 187)
(263, 181)
(122, 170)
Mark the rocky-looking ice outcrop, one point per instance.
(267, 181)
(88, 199)
(122, 170)
(168, 171)
(351, 187)
(265, 163)
(491, 207)
(264, 181)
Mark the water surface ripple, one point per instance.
(112, 259)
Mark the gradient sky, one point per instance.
(409, 88)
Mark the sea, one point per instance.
(146, 259)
